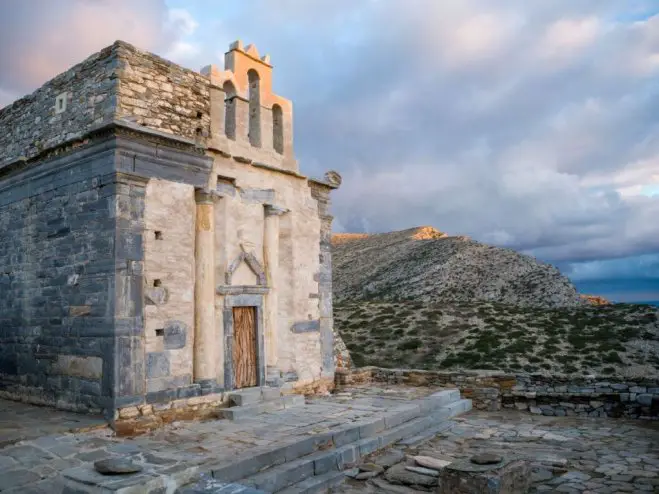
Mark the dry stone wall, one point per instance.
(562, 396)
(36, 122)
(537, 394)
(161, 95)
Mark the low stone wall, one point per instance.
(564, 396)
(484, 388)
(547, 395)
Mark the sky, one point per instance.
(528, 125)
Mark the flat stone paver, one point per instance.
(41, 465)
(567, 454)
(20, 421)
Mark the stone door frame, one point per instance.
(243, 300)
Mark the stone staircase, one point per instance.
(317, 463)
(248, 402)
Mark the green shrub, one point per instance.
(412, 344)
(612, 358)
(357, 359)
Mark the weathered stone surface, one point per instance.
(464, 477)
(486, 459)
(175, 335)
(157, 364)
(156, 295)
(539, 394)
(18, 478)
(399, 474)
(73, 365)
(390, 458)
(429, 462)
(366, 475)
(424, 471)
(371, 467)
(117, 466)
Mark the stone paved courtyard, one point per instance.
(20, 422)
(568, 455)
(40, 465)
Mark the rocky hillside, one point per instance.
(616, 339)
(421, 299)
(425, 265)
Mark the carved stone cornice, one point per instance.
(242, 289)
(203, 196)
(273, 210)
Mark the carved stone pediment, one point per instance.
(253, 264)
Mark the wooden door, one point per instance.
(245, 366)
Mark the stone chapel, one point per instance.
(158, 241)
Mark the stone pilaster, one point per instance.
(271, 258)
(204, 341)
(124, 367)
(320, 191)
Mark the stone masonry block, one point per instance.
(175, 336)
(509, 476)
(157, 364)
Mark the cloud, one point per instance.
(533, 125)
(41, 38)
(180, 21)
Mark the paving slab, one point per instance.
(566, 454)
(182, 450)
(21, 421)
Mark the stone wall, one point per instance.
(596, 397)
(538, 394)
(122, 82)
(301, 315)
(35, 123)
(161, 95)
(57, 272)
(169, 253)
(97, 196)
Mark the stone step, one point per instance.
(426, 435)
(317, 471)
(248, 411)
(440, 399)
(318, 483)
(249, 396)
(277, 478)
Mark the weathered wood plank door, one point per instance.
(245, 366)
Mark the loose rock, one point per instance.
(366, 475)
(371, 467)
(486, 459)
(423, 471)
(398, 474)
(116, 466)
(430, 462)
(390, 458)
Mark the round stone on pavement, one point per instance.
(486, 459)
(116, 466)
